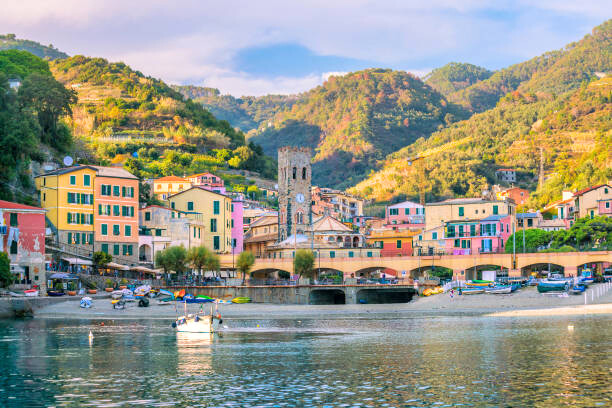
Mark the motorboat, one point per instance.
(547, 285)
(198, 322)
(31, 292)
(472, 291)
(577, 289)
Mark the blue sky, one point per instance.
(273, 46)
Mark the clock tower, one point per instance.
(294, 182)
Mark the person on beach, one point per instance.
(452, 292)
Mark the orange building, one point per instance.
(116, 214)
(518, 195)
(164, 187)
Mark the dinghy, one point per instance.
(496, 290)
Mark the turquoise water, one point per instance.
(434, 362)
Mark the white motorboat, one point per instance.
(198, 323)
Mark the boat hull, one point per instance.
(195, 324)
(553, 286)
(497, 291)
(472, 292)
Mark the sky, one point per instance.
(283, 46)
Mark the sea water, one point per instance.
(358, 362)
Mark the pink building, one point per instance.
(237, 226)
(465, 237)
(208, 181)
(22, 237)
(405, 215)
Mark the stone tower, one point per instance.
(294, 181)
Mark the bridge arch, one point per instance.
(427, 270)
(269, 273)
(332, 296)
(476, 271)
(542, 269)
(372, 271)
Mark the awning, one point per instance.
(142, 269)
(77, 261)
(113, 265)
(63, 275)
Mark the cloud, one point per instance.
(203, 41)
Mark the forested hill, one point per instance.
(116, 100)
(574, 130)
(352, 121)
(455, 76)
(11, 42)
(246, 113)
(552, 73)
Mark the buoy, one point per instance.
(102, 324)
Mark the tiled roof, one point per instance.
(586, 190)
(117, 172)
(9, 205)
(265, 220)
(465, 201)
(261, 238)
(65, 170)
(172, 178)
(327, 223)
(527, 215)
(506, 170)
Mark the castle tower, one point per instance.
(294, 182)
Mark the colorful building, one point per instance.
(405, 215)
(164, 187)
(68, 196)
(336, 203)
(528, 220)
(485, 235)
(214, 209)
(209, 181)
(116, 214)
(262, 233)
(506, 175)
(393, 242)
(517, 194)
(237, 226)
(22, 237)
(593, 201)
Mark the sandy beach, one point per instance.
(525, 302)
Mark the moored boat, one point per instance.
(553, 286)
(578, 289)
(472, 291)
(479, 282)
(31, 292)
(55, 293)
(499, 289)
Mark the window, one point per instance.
(122, 191)
(607, 204)
(116, 191)
(303, 173)
(406, 211)
(399, 244)
(14, 220)
(194, 232)
(213, 225)
(592, 214)
(105, 248)
(73, 180)
(44, 196)
(495, 210)
(232, 224)
(116, 210)
(199, 232)
(420, 237)
(472, 230)
(215, 207)
(530, 222)
(605, 191)
(128, 230)
(172, 205)
(104, 229)
(91, 239)
(127, 250)
(116, 249)
(77, 238)
(105, 190)
(434, 235)
(216, 243)
(350, 254)
(71, 198)
(393, 211)
(369, 254)
(294, 173)
(158, 232)
(148, 216)
(461, 211)
(86, 180)
(332, 254)
(457, 243)
(116, 229)
(13, 247)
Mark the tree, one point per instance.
(253, 192)
(100, 259)
(244, 263)
(303, 263)
(586, 232)
(49, 100)
(173, 258)
(6, 277)
(534, 240)
(203, 258)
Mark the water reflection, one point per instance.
(353, 362)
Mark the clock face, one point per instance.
(299, 198)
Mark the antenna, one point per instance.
(68, 161)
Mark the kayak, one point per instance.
(241, 300)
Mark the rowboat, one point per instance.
(472, 291)
(31, 292)
(499, 289)
(478, 282)
(577, 289)
(553, 286)
(55, 293)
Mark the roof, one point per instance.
(496, 217)
(551, 223)
(203, 174)
(466, 201)
(66, 170)
(506, 170)
(406, 204)
(586, 190)
(261, 238)
(328, 223)
(172, 178)
(264, 220)
(198, 188)
(9, 205)
(557, 203)
(116, 172)
(527, 215)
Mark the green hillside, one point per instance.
(49, 52)
(246, 113)
(553, 72)
(352, 121)
(574, 130)
(455, 76)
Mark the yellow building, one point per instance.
(164, 187)
(68, 196)
(214, 209)
(593, 201)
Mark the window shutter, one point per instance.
(68, 218)
(123, 191)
